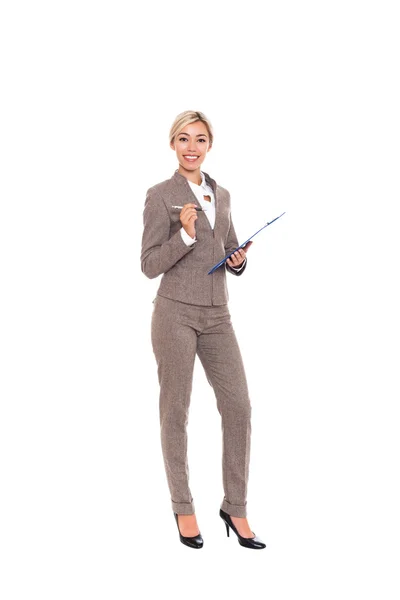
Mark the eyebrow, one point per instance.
(198, 135)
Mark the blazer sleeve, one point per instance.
(159, 251)
(231, 244)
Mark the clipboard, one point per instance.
(221, 262)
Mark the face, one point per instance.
(191, 145)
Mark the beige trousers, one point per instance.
(179, 331)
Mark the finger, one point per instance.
(190, 221)
(233, 263)
(187, 211)
(187, 215)
(189, 206)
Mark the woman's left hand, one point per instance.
(238, 257)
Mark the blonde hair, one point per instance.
(187, 117)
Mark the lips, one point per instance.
(190, 158)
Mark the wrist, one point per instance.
(192, 234)
(188, 239)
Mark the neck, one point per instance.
(193, 176)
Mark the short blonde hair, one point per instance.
(187, 117)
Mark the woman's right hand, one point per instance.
(188, 215)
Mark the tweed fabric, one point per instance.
(184, 268)
(179, 332)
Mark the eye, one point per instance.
(183, 139)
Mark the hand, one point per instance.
(238, 257)
(187, 216)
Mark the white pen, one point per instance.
(180, 207)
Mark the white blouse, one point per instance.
(209, 208)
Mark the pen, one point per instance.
(180, 207)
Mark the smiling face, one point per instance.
(191, 146)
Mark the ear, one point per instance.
(209, 148)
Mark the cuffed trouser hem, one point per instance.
(183, 508)
(234, 510)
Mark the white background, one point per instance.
(304, 100)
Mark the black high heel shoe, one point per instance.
(193, 542)
(253, 542)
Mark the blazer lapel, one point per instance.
(213, 185)
(185, 190)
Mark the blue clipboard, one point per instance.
(221, 262)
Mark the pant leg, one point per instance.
(174, 343)
(218, 350)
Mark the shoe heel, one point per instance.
(253, 542)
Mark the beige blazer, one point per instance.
(185, 268)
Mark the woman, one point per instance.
(187, 229)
